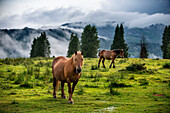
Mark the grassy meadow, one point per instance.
(135, 85)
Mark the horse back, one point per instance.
(58, 67)
(108, 54)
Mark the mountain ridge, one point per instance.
(17, 42)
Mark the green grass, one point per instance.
(26, 86)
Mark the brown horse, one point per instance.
(67, 70)
(110, 54)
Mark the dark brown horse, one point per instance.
(67, 70)
(110, 54)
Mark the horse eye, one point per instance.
(75, 59)
(81, 59)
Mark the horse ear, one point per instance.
(82, 52)
(75, 52)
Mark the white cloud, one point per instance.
(147, 20)
(22, 13)
(131, 19)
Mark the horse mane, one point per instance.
(117, 51)
(78, 52)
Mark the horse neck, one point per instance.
(71, 63)
(116, 54)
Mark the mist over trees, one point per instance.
(90, 41)
(40, 46)
(118, 40)
(73, 45)
(166, 43)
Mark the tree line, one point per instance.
(90, 43)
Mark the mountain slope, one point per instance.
(17, 42)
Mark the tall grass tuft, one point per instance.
(136, 67)
(81, 90)
(27, 84)
(143, 81)
(19, 79)
(30, 70)
(166, 65)
(94, 67)
(112, 91)
(12, 76)
(37, 72)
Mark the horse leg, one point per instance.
(62, 91)
(103, 62)
(55, 87)
(74, 84)
(113, 62)
(70, 100)
(99, 62)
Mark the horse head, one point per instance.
(78, 60)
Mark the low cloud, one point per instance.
(58, 47)
(10, 47)
(58, 16)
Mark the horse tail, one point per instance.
(57, 84)
(99, 53)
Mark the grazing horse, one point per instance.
(110, 54)
(67, 70)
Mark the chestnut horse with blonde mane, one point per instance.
(67, 70)
(110, 55)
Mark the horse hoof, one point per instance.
(70, 102)
(54, 96)
(113, 66)
(64, 97)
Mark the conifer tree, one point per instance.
(143, 51)
(73, 45)
(32, 54)
(115, 44)
(118, 41)
(90, 42)
(40, 46)
(166, 42)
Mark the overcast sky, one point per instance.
(38, 13)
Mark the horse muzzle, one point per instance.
(78, 70)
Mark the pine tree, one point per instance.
(122, 41)
(90, 42)
(40, 46)
(33, 48)
(166, 42)
(143, 51)
(73, 45)
(118, 41)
